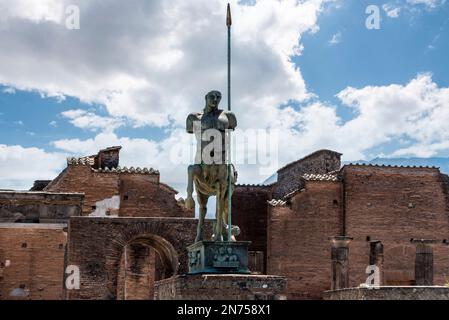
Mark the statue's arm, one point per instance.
(232, 120)
(189, 122)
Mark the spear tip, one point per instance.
(228, 16)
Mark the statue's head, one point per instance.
(213, 99)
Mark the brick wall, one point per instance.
(394, 204)
(33, 260)
(136, 274)
(249, 212)
(322, 161)
(141, 195)
(81, 178)
(298, 246)
(96, 245)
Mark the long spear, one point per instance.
(228, 24)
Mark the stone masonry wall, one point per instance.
(35, 207)
(298, 246)
(97, 244)
(95, 186)
(32, 256)
(319, 162)
(137, 273)
(139, 195)
(393, 205)
(250, 212)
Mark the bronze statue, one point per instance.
(210, 171)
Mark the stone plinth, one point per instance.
(390, 293)
(221, 287)
(218, 257)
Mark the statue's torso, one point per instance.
(214, 120)
(219, 120)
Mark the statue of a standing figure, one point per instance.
(210, 171)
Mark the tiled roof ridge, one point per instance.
(320, 177)
(260, 185)
(358, 164)
(277, 203)
(119, 169)
(82, 161)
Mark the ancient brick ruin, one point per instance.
(124, 229)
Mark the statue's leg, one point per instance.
(219, 226)
(225, 217)
(234, 229)
(190, 203)
(202, 201)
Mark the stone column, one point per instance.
(376, 257)
(340, 262)
(424, 261)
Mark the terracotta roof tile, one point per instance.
(126, 170)
(277, 203)
(321, 177)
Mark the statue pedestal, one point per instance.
(221, 287)
(218, 257)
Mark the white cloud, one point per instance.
(427, 3)
(9, 90)
(336, 38)
(153, 61)
(20, 167)
(415, 115)
(36, 11)
(90, 121)
(418, 110)
(395, 7)
(391, 11)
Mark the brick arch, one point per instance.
(166, 251)
(96, 246)
(153, 235)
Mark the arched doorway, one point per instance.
(144, 260)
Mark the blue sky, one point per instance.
(131, 75)
(393, 54)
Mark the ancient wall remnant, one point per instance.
(140, 230)
(101, 242)
(32, 256)
(107, 207)
(393, 205)
(319, 162)
(298, 231)
(139, 192)
(250, 212)
(39, 207)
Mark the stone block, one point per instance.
(221, 287)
